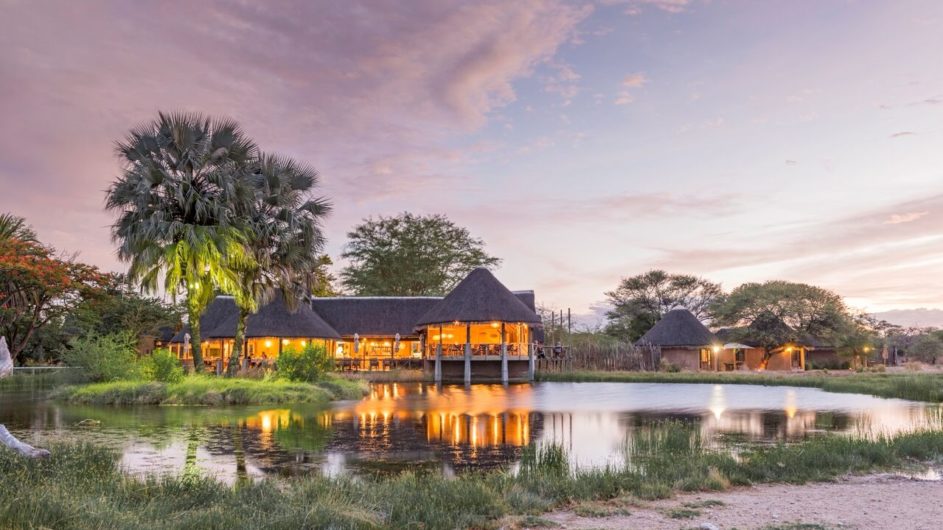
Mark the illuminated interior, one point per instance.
(484, 338)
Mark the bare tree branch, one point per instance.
(7, 439)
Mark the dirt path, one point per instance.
(868, 502)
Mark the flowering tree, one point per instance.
(37, 287)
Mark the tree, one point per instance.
(119, 308)
(804, 308)
(927, 348)
(640, 301)
(324, 280)
(38, 288)
(177, 201)
(13, 227)
(857, 337)
(284, 239)
(410, 255)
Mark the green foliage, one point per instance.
(209, 390)
(105, 357)
(926, 348)
(410, 255)
(282, 225)
(804, 308)
(163, 366)
(640, 301)
(83, 487)
(120, 308)
(177, 200)
(38, 289)
(308, 364)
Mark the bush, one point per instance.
(104, 358)
(309, 364)
(163, 366)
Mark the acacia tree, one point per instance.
(284, 239)
(640, 301)
(780, 312)
(410, 255)
(177, 200)
(805, 308)
(928, 347)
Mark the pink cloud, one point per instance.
(371, 93)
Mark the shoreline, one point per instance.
(877, 500)
(914, 386)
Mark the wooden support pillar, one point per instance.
(438, 358)
(467, 354)
(504, 354)
(530, 361)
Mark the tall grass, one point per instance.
(82, 487)
(917, 387)
(210, 390)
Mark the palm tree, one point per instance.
(177, 200)
(284, 239)
(13, 227)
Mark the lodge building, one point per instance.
(480, 329)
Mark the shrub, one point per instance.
(105, 357)
(669, 367)
(310, 363)
(163, 366)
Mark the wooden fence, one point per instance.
(602, 357)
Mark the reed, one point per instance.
(83, 487)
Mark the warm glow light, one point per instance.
(285, 342)
(304, 343)
(716, 349)
(268, 344)
(494, 324)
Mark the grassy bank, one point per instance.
(82, 487)
(209, 390)
(918, 387)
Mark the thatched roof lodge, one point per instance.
(379, 332)
(686, 343)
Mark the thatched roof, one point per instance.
(272, 320)
(218, 310)
(480, 297)
(679, 328)
(374, 315)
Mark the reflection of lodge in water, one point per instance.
(381, 428)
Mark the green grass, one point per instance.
(210, 390)
(83, 487)
(682, 513)
(917, 387)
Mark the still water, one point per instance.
(449, 429)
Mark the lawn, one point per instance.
(211, 390)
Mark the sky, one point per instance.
(583, 141)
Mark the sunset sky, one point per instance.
(583, 141)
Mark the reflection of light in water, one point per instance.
(718, 402)
(791, 403)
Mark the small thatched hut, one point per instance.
(683, 341)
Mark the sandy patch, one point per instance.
(867, 502)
